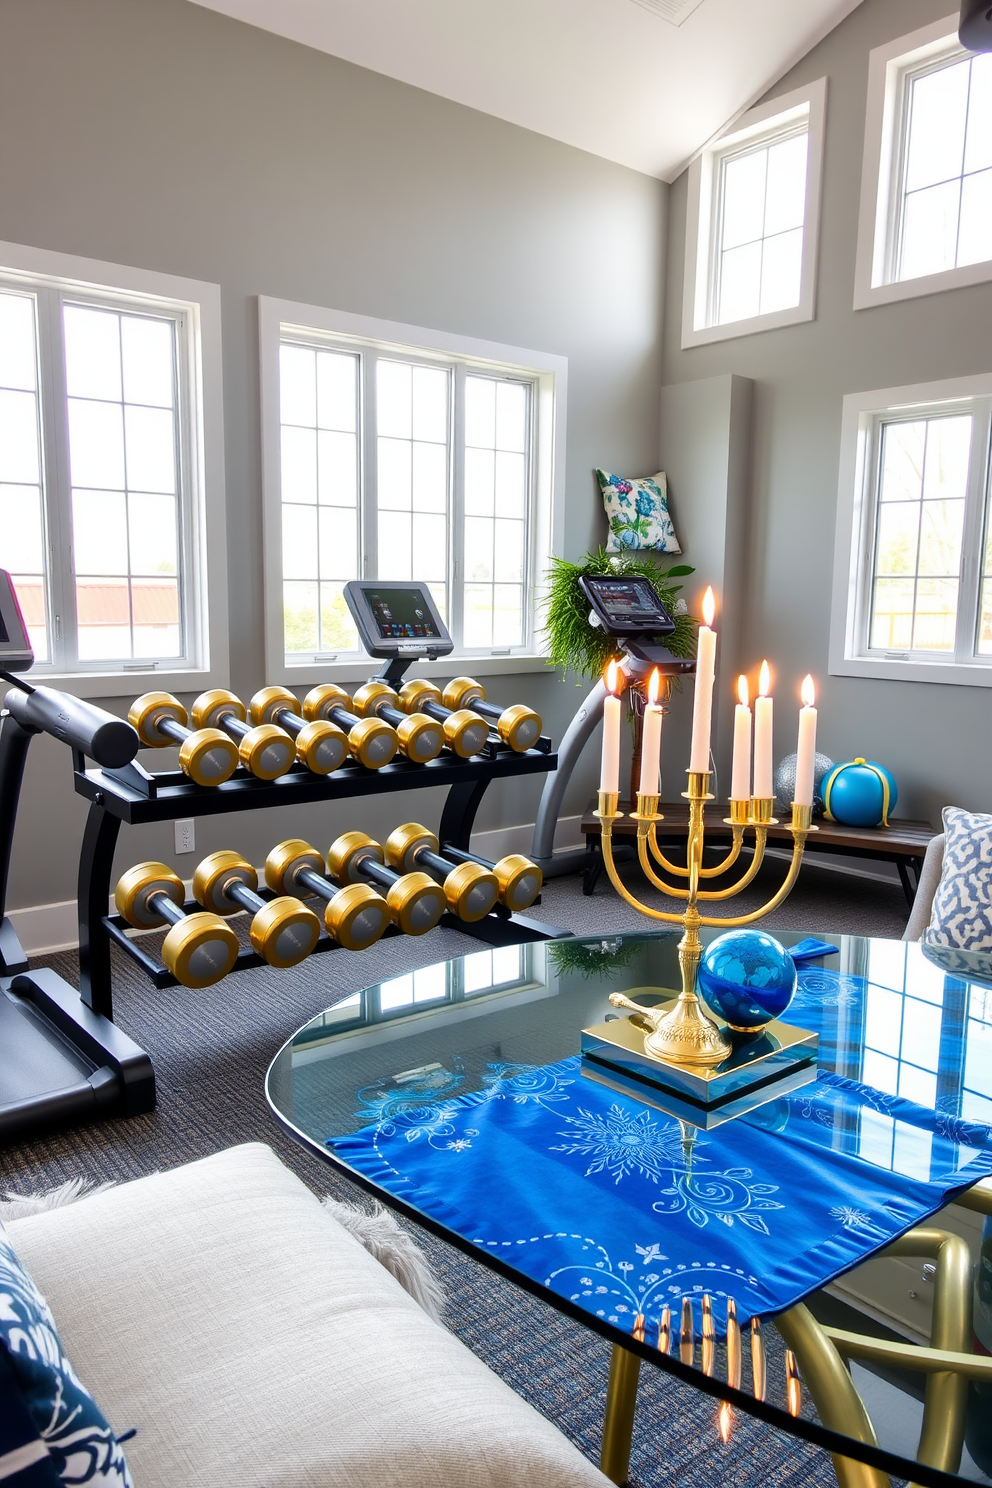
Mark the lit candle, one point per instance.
(803, 795)
(609, 775)
(651, 739)
(702, 709)
(740, 780)
(763, 787)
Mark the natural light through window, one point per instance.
(760, 252)
(496, 478)
(922, 491)
(412, 415)
(123, 458)
(22, 513)
(946, 196)
(320, 490)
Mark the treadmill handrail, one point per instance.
(106, 739)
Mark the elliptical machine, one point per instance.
(630, 612)
(60, 1062)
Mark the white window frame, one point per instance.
(853, 546)
(344, 330)
(204, 547)
(889, 68)
(777, 116)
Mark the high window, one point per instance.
(752, 222)
(913, 585)
(926, 209)
(398, 460)
(103, 472)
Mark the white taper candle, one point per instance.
(609, 775)
(740, 779)
(651, 740)
(806, 758)
(702, 706)
(763, 737)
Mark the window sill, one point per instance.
(360, 668)
(957, 674)
(868, 295)
(129, 684)
(774, 320)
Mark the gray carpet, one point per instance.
(211, 1050)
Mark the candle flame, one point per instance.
(709, 606)
(765, 679)
(654, 686)
(724, 1419)
(612, 669)
(743, 696)
(808, 692)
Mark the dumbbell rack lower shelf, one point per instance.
(133, 796)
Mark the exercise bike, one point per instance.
(630, 612)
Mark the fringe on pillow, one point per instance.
(391, 1245)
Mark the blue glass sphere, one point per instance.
(855, 793)
(746, 978)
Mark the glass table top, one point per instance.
(447, 1092)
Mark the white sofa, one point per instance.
(220, 1310)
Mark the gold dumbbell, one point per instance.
(207, 756)
(283, 931)
(355, 916)
(520, 881)
(420, 738)
(470, 889)
(465, 733)
(200, 949)
(519, 726)
(370, 741)
(266, 751)
(415, 902)
(321, 746)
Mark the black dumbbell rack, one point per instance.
(135, 796)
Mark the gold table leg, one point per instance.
(618, 1422)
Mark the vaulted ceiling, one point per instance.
(643, 82)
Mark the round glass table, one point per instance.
(714, 1226)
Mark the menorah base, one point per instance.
(755, 1069)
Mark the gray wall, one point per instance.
(158, 134)
(934, 736)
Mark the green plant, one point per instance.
(574, 644)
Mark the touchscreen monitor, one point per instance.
(396, 618)
(16, 654)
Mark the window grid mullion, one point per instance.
(369, 465)
(456, 556)
(530, 557)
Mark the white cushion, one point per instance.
(221, 1311)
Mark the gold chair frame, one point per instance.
(821, 1353)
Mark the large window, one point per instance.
(102, 474)
(752, 222)
(913, 594)
(401, 461)
(926, 211)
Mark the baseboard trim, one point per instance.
(44, 929)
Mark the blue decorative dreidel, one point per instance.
(746, 978)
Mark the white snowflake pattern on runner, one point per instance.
(850, 1218)
(623, 1142)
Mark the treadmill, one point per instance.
(60, 1062)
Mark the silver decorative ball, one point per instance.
(785, 780)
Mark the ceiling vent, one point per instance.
(673, 11)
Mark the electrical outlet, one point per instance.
(185, 835)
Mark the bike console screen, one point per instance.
(627, 606)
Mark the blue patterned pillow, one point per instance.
(51, 1429)
(962, 905)
(637, 511)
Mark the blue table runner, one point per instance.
(593, 1195)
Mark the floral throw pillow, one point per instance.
(51, 1430)
(637, 511)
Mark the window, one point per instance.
(751, 229)
(103, 523)
(926, 203)
(913, 576)
(395, 453)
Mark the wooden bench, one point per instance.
(903, 843)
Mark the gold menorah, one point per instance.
(685, 1035)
